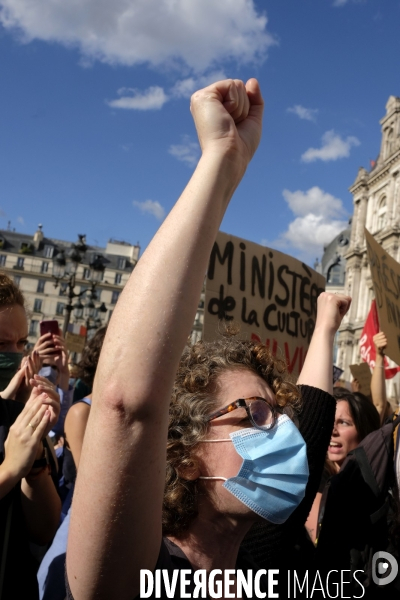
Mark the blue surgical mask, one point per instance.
(50, 373)
(273, 477)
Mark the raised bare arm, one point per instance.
(378, 381)
(318, 366)
(116, 517)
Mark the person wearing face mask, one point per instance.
(13, 332)
(196, 442)
(16, 370)
(29, 503)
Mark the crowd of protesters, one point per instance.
(184, 457)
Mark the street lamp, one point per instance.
(89, 310)
(103, 308)
(64, 270)
(89, 313)
(59, 265)
(97, 268)
(78, 309)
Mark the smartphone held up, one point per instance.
(49, 326)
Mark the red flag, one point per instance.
(367, 346)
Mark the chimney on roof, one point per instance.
(38, 237)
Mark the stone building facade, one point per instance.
(333, 268)
(333, 263)
(30, 259)
(377, 207)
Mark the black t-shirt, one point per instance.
(20, 567)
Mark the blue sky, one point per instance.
(96, 135)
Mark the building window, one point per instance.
(45, 267)
(389, 142)
(86, 273)
(40, 286)
(121, 263)
(20, 263)
(334, 275)
(33, 327)
(382, 214)
(60, 308)
(48, 251)
(63, 289)
(118, 277)
(3, 259)
(114, 297)
(37, 306)
(17, 280)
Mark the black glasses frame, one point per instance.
(242, 403)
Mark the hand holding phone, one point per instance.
(46, 343)
(49, 326)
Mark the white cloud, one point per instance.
(186, 87)
(343, 2)
(20, 220)
(153, 98)
(309, 114)
(187, 152)
(318, 220)
(2, 213)
(311, 233)
(314, 201)
(194, 33)
(151, 207)
(333, 147)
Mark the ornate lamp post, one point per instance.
(90, 313)
(66, 271)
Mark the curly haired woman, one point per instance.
(233, 457)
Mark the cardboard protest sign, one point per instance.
(363, 375)
(385, 272)
(74, 342)
(271, 295)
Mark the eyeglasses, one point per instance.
(260, 412)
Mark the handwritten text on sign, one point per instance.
(385, 273)
(272, 295)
